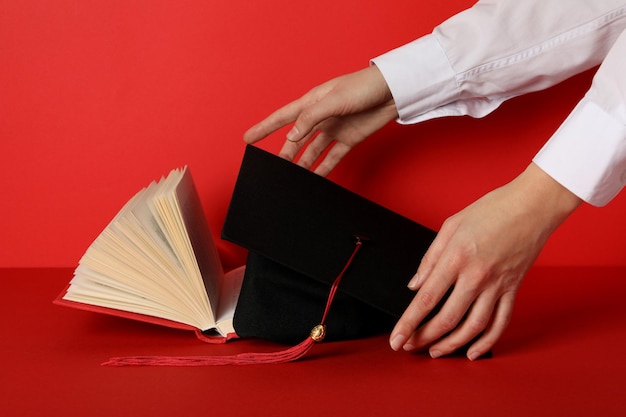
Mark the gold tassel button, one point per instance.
(318, 333)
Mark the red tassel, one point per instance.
(284, 356)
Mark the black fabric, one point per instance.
(281, 305)
(299, 228)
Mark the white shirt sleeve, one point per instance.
(497, 50)
(587, 154)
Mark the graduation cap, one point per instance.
(301, 230)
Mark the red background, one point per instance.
(97, 98)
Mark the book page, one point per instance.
(146, 262)
(199, 236)
(167, 229)
(231, 287)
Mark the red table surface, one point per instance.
(563, 354)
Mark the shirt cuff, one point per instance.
(587, 154)
(421, 80)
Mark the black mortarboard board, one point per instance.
(300, 231)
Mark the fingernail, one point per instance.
(414, 282)
(293, 134)
(396, 342)
(408, 347)
(472, 356)
(435, 354)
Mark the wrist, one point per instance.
(545, 197)
(379, 84)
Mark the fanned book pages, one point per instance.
(156, 261)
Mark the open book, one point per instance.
(156, 261)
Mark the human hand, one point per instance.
(344, 110)
(484, 251)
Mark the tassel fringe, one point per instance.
(287, 355)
